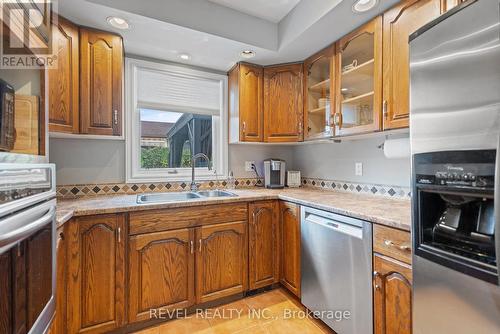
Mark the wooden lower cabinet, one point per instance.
(290, 246)
(161, 272)
(392, 291)
(221, 261)
(96, 274)
(59, 323)
(263, 231)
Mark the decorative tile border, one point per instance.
(361, 188)
(74, 191)
(82, 190)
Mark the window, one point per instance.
(172, 113)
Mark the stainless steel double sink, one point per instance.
(181, 196)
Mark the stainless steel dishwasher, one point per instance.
(337, 270)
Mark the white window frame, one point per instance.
(136, 174)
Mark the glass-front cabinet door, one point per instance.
(318, 88)
(359, 81)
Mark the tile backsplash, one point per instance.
(361, 188)
(74, 191)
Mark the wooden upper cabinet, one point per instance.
(392, 291)
(96, 274)
(446, 5)
(101, 71)
(399, 23)
(290, 246)
(319, 71)
(246, 94)
(359, 80)
(63, 81)
(264, 244)
(161, 272)
(221, 261)
(283, 104)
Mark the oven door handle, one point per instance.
(26, 230)
(497, 208)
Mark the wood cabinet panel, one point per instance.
(59, 325)
(399, 23)
(96, 277)
(290, 246)
(27, 120)
(263, 233)
(283, 104)
(446, 5)
(251, 102)
(101, 70)
(392, 292)
(221, 261)
(392, 242)
(358, 87)
(246, 94)
(161, 272)
(5, 293)
(171, 219)
(319, 86)
(63, 81)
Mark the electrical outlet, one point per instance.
(248, 166)
(358, 169)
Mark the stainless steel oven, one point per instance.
(27, 248)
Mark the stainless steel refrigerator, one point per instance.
(455, 140)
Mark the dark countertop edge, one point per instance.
(65, 215)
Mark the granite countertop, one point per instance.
(376, 209)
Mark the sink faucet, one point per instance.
(194, 186)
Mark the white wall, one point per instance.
(335, 161)
(81, 161)
(103, 161)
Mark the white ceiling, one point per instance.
(214, 35)
(270, 10)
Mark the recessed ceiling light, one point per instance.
(361, 6)
(184, 56)
(247, 54)
(344, 89)
(118, 22)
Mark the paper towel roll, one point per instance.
(397, 148)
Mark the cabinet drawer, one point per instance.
(392, 242)
(170, 219)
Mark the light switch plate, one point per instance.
(248, 166)
(358, 169)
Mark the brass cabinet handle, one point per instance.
(115, 116)
(384, 109)
(119, 235)
(192, 246)
(390, 243)
(60, 238)
(199, 247)
(337, 119)
(244, 127)
(376, 275)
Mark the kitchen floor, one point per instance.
(241, 317)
